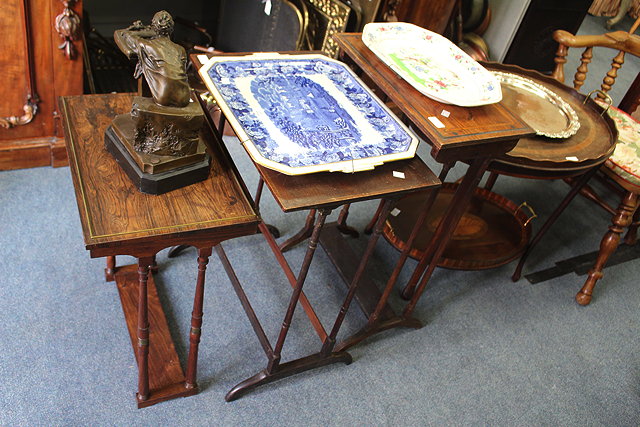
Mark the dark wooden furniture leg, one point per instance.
(301, 235)
(631, 238)
(443, 233)
(110, 270)
(491, 181)
(143, 329)
(275, 370)
(608, 245)
(342, 222)
(369, 228)
(196, 320)
(272, 228)
(330, 342)
(374, 324)
(577, 186)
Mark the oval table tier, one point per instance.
(492, 232)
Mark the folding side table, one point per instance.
(475, 135)
(321, 192)
(119, 220)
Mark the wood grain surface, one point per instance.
(38, 142)
(118, 219)
(483, 126)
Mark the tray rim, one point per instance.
(570, 95)
(346, 166)
(574, 124)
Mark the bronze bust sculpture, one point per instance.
(161, 61)
(158, 144)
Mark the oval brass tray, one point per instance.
(542, 109)
(492, 232)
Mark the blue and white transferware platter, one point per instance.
(300, 114)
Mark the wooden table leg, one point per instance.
(443, 232)
(374, 324)
(110, 270)
(196, 319)
(342, 222)
(575, 189)
(369, 227)
(295, 296)
(275, 370)
(329, 343)
(304, 233)
(143, 329)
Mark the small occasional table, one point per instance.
(119, 220)
(322, 192)
(576, 158)
(475, 135)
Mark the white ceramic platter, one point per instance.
(432, 64)
(300, 114)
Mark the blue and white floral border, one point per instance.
(252, 136)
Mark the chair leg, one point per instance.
(632, 233)
(608, 245)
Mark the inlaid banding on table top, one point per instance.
(464, 124)
(186, 211)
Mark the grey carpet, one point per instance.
(492, 352)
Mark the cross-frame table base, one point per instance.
(287, 369)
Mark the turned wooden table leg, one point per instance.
(297, 291)
(143, 329)
(196, 319)
(330, 342)
(404, 255)
(369, 228)
(443, 233)
(608, 245)
(491, 181)
(110, 270)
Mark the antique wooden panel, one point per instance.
(39, 72)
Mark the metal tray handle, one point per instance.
(531, 211)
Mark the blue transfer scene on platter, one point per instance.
(289, 110)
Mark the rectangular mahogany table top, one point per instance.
(118, 219)
(332, 189)
(465, 126)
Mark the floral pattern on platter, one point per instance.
(432, 64)
(308, 112)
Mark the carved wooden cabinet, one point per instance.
(41, 59)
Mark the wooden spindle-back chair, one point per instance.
(624, 165)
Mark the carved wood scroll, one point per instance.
(67, 25)
(31, 106)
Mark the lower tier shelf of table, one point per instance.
(166, 377)
(492, 232)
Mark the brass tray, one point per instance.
(541, 108)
